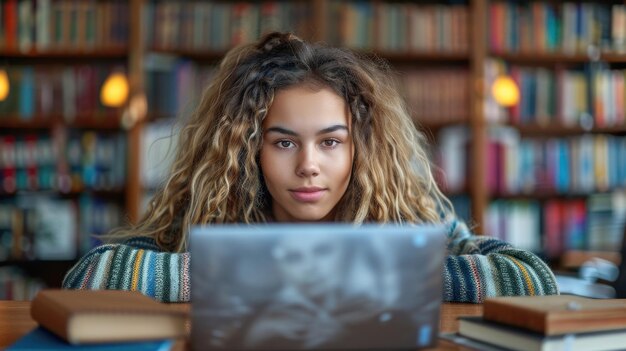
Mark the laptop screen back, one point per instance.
(322, 286)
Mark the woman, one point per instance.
(294, 132)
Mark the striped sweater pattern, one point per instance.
(476, 267)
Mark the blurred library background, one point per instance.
(524, 102)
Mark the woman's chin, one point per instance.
(312, 216)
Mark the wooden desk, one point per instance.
(15, 320)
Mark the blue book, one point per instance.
(27, 93)
(622, 163)
(563, 166)
(41, 339)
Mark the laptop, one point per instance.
(316, 286)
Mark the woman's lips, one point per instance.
(307, 195)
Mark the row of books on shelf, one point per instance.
(567, 27)
(436, 95)
(594, 95)
(554, 226)
(162, 72)
(58, 90)
(216, 26)
(49, 25)
(391, 27)
(66, 163)
(515, 165)
(15, 285)
(565, 165)
(45, 227)
(433, 95)
(399, 27)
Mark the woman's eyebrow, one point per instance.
(333, 129)
(281, 131)
(286, 131)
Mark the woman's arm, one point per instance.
(134, 265)
(479, 266)
(476, 267)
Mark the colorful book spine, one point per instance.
(567, 27)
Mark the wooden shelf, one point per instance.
(546, 194)
(398, 57)
(106, 122)
(434, 124)
(456, 193)
(413, 57)
(430, 127)
(70, 53)
(51, 272)
(197, 55)
(36, 262)
(556, 57)
(111, 193)
(538, 195)
(613, 57)
(160, 116)
(561, 129)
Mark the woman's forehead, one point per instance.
(305, 110)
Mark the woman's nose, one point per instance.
(308, 165)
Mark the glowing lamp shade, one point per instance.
(4, 85)
(505, 91)
(114, 90)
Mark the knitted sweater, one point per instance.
(476, 267)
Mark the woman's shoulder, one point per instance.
(141, 242)
(107, 256)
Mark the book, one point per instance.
(557, 314)
(96, 316)
(506, 337)
(41, 339)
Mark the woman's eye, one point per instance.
(330, 143)
(284, 144)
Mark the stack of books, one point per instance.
(101, 320)
(545, 323)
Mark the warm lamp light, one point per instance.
(505, 91)
(114, 91)
(4, 85)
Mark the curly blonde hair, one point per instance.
(216, 177)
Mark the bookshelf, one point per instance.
(456, 46)
(66, 168)
(568, 157)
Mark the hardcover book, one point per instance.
(477, 333)
(96, 316)
(558, 314)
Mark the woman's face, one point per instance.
(307, 153)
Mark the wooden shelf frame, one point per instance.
(478, 142)
(120, 52)
(82, 121)
(557, 58)
(565, 130)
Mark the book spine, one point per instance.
(50, 315)
(499, 312)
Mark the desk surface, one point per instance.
(15, 320)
